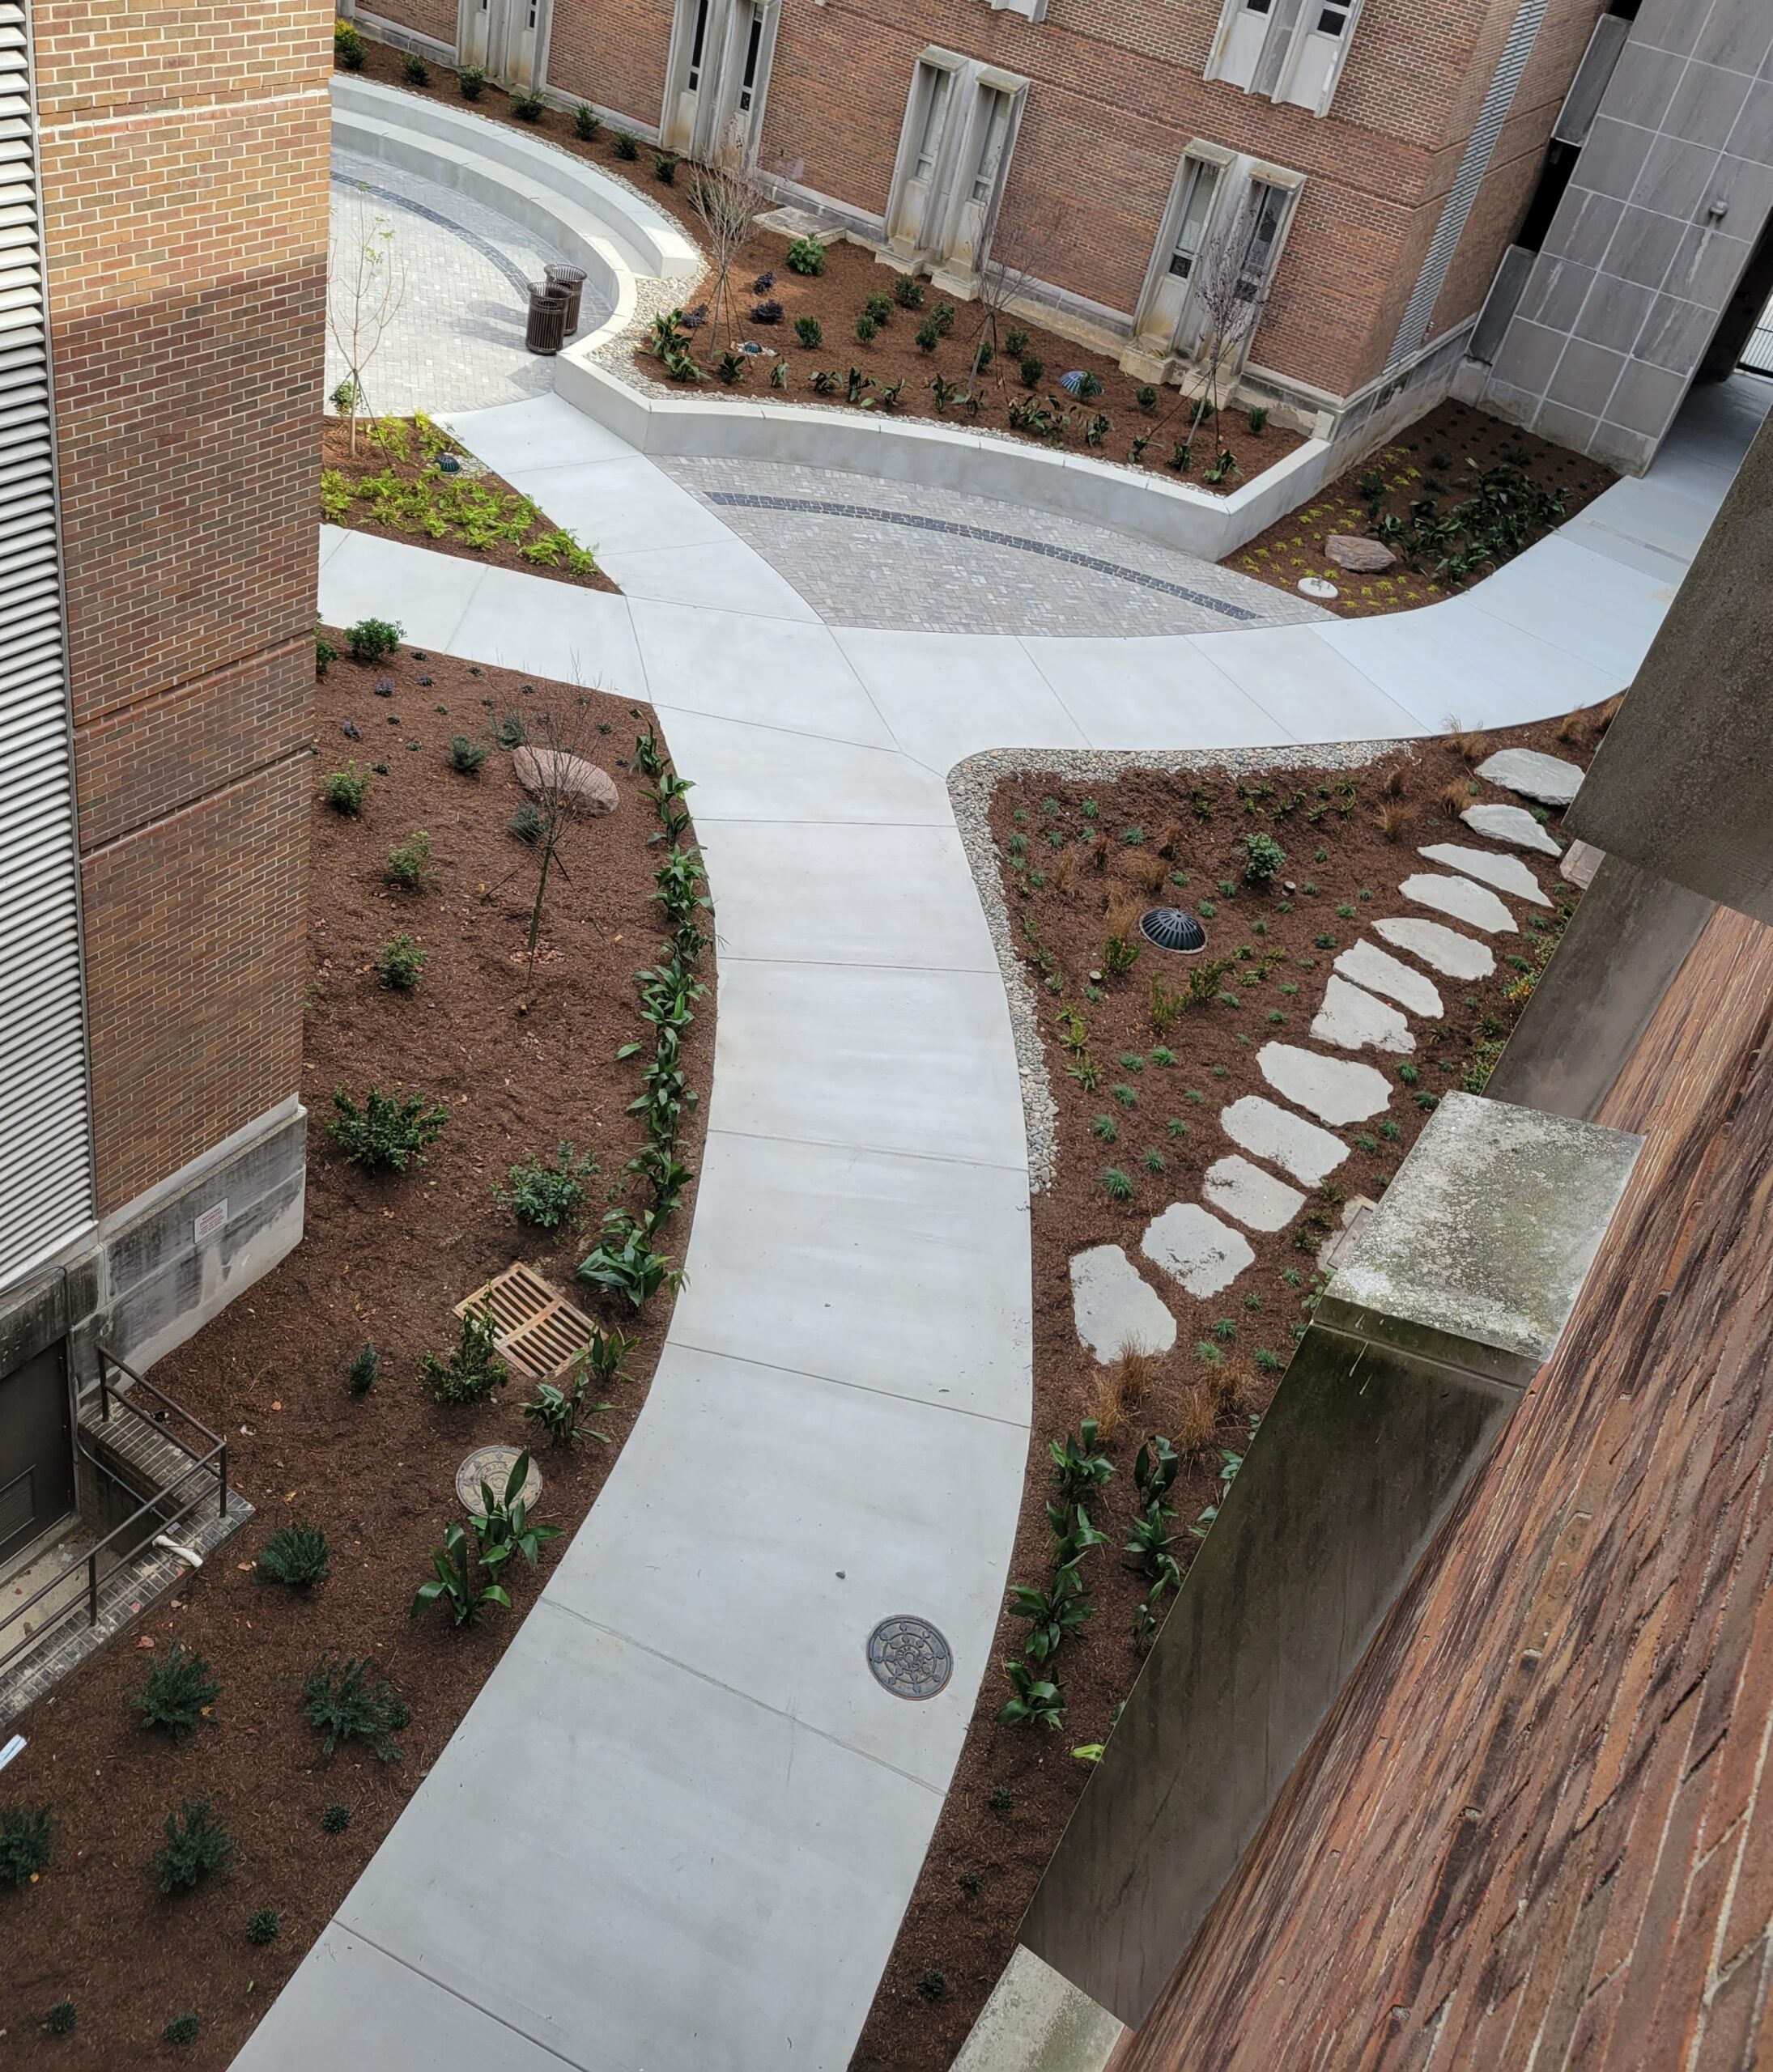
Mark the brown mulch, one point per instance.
(372, 460)
(1429, 458)
(986, 1858)
(836, 297)
(383, 1259)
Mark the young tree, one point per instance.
(1019, 238)
(555, 771)
(366, 285)
(726, 196)
(1231, 291)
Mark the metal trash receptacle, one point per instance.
(572, 279)
(547, 331)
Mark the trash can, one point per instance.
(572, 279)
(548, 327)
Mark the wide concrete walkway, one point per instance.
(678, 1828)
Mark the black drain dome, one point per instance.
(1170, 927)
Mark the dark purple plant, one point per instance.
(768, 312)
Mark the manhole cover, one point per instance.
(492, 1465)
(1318, 586)
(1170, 928)
(909, 1658)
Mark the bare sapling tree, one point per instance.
(554, 767)
(1231, 288)
(1018, 240)
(726, 196)
(366, 285)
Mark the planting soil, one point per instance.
(385, 1259)
(393, 485)
(1077, 858)
(833, 299)
(1443, 457)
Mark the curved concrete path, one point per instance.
(678, 1828)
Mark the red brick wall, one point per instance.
(612, 52)
(183, 153)
(431, 17)
(1538, 1828)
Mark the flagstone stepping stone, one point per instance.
(1510, 824)
(1115, 1307)
(1256, 1198)
(1548, 778)
(1334, 1089)
(1283, 1138)
(1196, 1249)
(1459, 896)
(1507, 873)
(1441, 948)
(1354, 1021)
(1369, 965)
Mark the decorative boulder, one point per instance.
(586, 788)
(1366, 557)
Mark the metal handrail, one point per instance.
(151, 1515)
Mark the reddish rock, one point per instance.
(1367, 556)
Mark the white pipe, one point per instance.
(184, 1553)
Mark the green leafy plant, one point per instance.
(1258, 418)
(297, 1555)
(809, 332)
(414, 71)
(325, 654)
(1080, 1466)
(181, 2030)
(585, 125)
(805, 255)
(624, 1262)
(27, 1838)
(409, 863)
(502, 1527)
(1264, 858)
(399, 962)
(867, 328)
(664, 165)
(1181, 456)
(627, 149)
(928, 335)
(344, 1700)
(546, 1195)
(474, 1372)
(344, 790)
(1034, 1700)
(349, 48)
(335, 1819)
(373, 639)
(465, 756)
(931, 1984)
(559, 1409)
(61, 2018)
(1051, 1613)
(528, 106)
(472, 80)
(180, 1690)
(265, 1926)
(360, 1376)
(1114, 1183)
(907, 293)
(388, 1133)
(452, 1582)
(196, 1843)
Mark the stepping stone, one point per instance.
(1369, 965)
(1334, 1089)
(1256, 1199)
(1197, 1249)
(1548, 778)
(1115, 1307)
(1507, 873)
(1511, 824)
(1442, 949)
(1459, 896)
(1284, 1139)
(1581, 861)
(1354, 1021)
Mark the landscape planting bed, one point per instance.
(1015, 1785)
(384, 1260)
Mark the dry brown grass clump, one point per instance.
(1147, 872)
(1122, 1387)
(1605, 715)
(1197, 1422)
(1468, 747)
(1454, 800)
(1391, 785)
(1122, 916)
(1060, 876)
(1169, 841)
(1395, 820)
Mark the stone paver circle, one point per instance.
(910, 1657)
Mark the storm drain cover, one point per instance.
(492, 1465)
(1170, 927)
(909, 1658)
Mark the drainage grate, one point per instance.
(1170, 928)
(492, 1465)
(536, 1328)
(909, 1658)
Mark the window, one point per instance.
(535, 10)
(1267, 211)
(1287, 50)
(929, 130)
(1333, 17)
(984, 178)
(1203, 181)
(753, 43)
(697, 46)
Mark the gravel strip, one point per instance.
(971, 785)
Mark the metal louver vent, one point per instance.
(45, 1186)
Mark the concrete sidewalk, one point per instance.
(678, 1828)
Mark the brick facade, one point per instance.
(183, 153)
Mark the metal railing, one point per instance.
(151, 1519)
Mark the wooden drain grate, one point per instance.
(536, 1330)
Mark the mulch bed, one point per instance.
(1430, 458)
(988, 1854)
(836, 298)
(383, 1259)
(371, 459)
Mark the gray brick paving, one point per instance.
(864, 552)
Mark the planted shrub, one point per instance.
(879, 307)
(1031, 367)
(265, 1926)
(929, 334)
(182, 2029)
(544, 1195)
(559, 1409)
(388, 1133)
(472, 80)
(731, 367)
(61, 2018)
(907, 293)
(528, 107)
(365, 1366)
(409, 863)
(664, 167)
(349, 48)
(526, 823)
(465, 755)
(810, 331)
(805, 255)
(453, 1583)
(1258, 418)
(1264, 858)
(764, 282)
(414, 71)
(196, 1844)
(399, 963)
(502, 1526)
(297, 1555)
(325, 654)
(474, 1371)
(335, 1819)
(1146, 398)
(345, 1702)
(624, 1263)
(26, 1836)
(371, 639)
(626, 148)
(345, 789)
(178, 1694)
(1015, 343)
(769, 311)
(867, 328)
(1036, 1700)
(585, 125)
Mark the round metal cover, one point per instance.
(1318, 586)
(492, 1465)
(1170, 927)
(909, 1658)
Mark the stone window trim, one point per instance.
(978, 99)
(1286, 50)
(713, 102)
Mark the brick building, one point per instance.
(162, 291)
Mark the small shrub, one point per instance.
(1035, 1701)
(349, 48)
(1031, 367)
(414, 71)
(297, 1555)
(544, 1195)
(810, 331)
(409, 863)
(880, 307)
(907, 293)
(1409, 1075)
(61, 2018)
(265, 1926)
(626, 149)
(664, 166)
(931, 1984)
(465, 755)
(764, 282)
(178, 1694)
(182, 2029)
(365, 1365)
(1114, 1183)
(732, 367)
(335, 1819)
(867, 328)
(26, 1836)
(388, 1133)
(1264, 858)
(585, 125)
(525, 824)
(325, 654)
(766, 312)
(345, 1702)
(805, 255)
(624, 1262)
(371, 639)
(1146, 398)
(558, 1408)
(472, 80)
(474, 1371)
(528, 107)
(196, 1844)
(399, 963)
(928, 335)
(345, 789)
(1258, 418)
